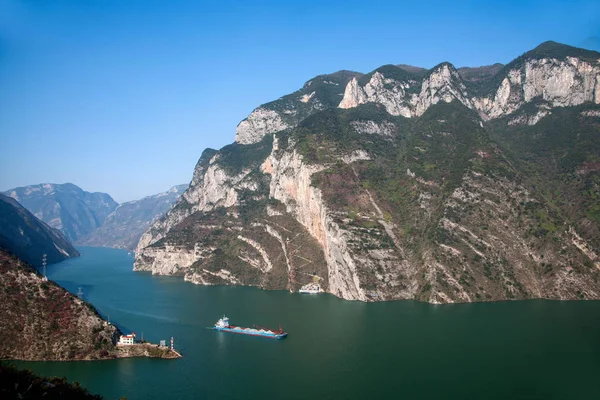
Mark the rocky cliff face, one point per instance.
(28, 237)
(66, 207)
(126, 224)
(45, 322)
(321, 92)
(558, 81)
(440, 185)
(406, 95)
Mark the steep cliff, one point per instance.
(126, 224)
(556, 74)
(438, 185)
(28, 237)
(66, 207)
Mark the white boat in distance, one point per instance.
(311, 288)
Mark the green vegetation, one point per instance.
(236, 157)
(44, 321)
(558, 158)
(476, 74)
(487, 87)
(561, 51)
(328, 91)
(205, 157)
(393, 72)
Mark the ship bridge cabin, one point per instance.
(223, 322)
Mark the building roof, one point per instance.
(131, 336)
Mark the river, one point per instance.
(336, 349)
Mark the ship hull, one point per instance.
(247, 331)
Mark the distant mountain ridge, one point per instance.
(66, 207)
(94, 219)
(126, 224)
(29, 238)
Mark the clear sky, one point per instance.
(122, 96)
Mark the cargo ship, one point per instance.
(223, 325)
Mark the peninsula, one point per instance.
(46, 322)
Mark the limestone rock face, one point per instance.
(211, 187)
(408, 98)
(385, 128)
(558, 82)
(258, 124)
(291, 185)
(436, 185)
(319, 93)
(354, 95)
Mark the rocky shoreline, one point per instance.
(149, 350)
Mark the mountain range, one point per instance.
(441, 185)
(66, 207)
(125, 225)
(93, 219)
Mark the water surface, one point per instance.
(336, 349)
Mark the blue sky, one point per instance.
(122, 96)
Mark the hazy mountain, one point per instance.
(29, 238)
(126, 224)
(438, 185)
(66, 207)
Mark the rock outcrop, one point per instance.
(559, 81)
(321, 92)
(407, 97)
(443, 186)
(258, 124)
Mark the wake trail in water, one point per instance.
(152, 316)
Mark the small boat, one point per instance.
(223, 325)
(311, 288)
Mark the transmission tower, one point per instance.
(44, 266)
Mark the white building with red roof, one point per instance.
(127, 339)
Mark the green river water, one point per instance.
(336, 349)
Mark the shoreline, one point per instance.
(148, 350)
(371, 300)
(145, 349)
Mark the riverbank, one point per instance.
(553, 344)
